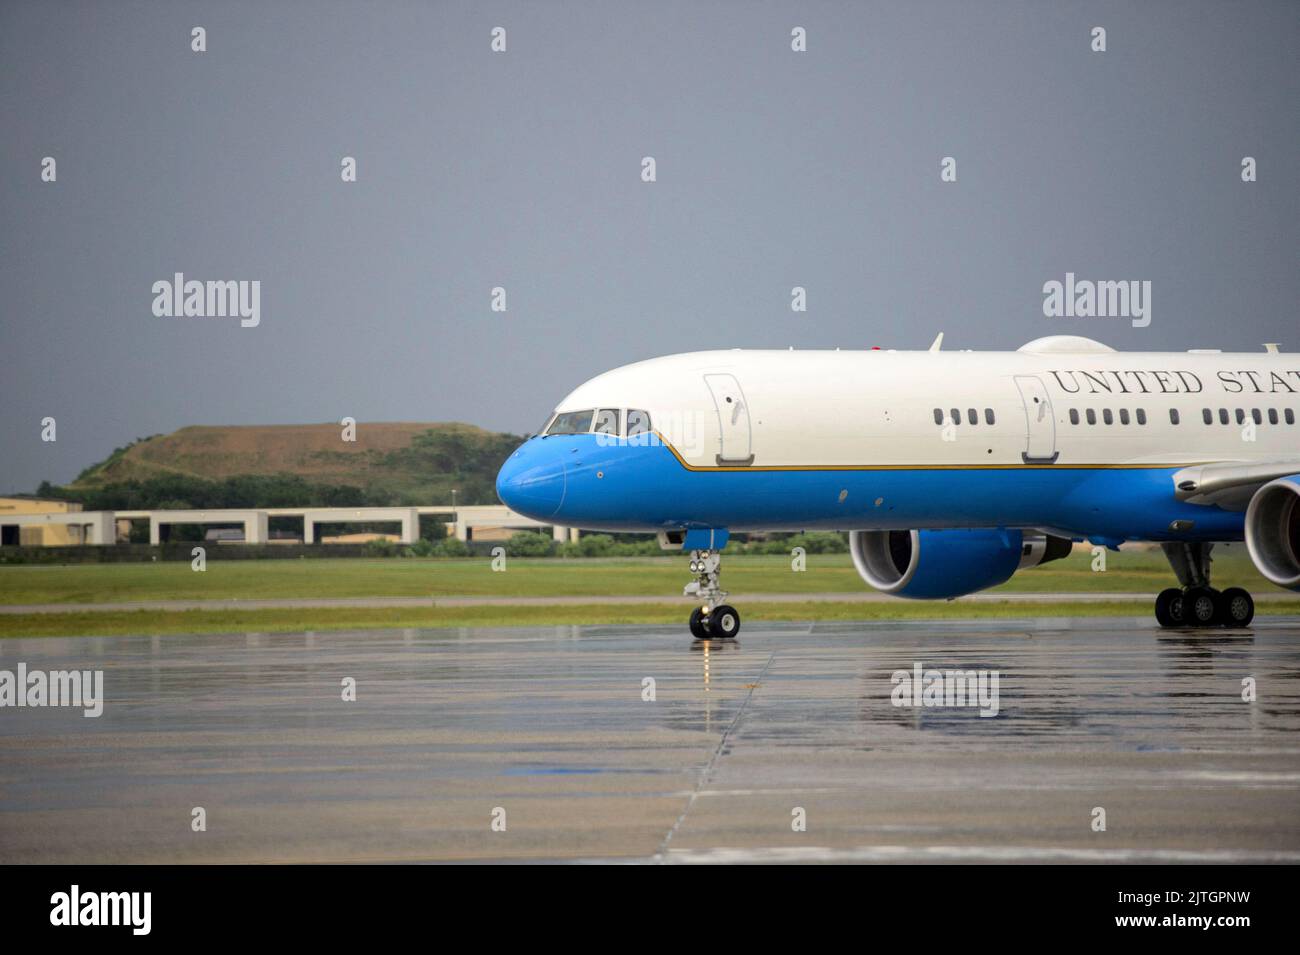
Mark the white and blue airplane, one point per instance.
(950, 470)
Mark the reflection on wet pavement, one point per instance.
(552, 725)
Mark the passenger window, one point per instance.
(1272, 416)
(1107, 417)
(1290, 416)
(638, 422)
(1223, 416)
(938, 416)
(1123, 416)
(1241, 416)
(1173, 416)
(988, 416)
(606, 421)
(1074, 416)
(1092, 416)
(972, 416)
(1258, 418)
(1207, 416)
(571, 422)
(956, 416)
(1142, 416)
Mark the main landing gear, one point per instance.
(711, 619)
(1196, 603)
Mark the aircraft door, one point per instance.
(735, 445)
(1040, 447)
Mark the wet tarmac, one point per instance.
(571, 600)
(544, 744)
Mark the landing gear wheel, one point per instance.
(697, 624)
(1236, 608)
(1169, 607)
(723, 623)
(1200, 607)
(711, 619)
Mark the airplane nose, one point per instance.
(531, 484)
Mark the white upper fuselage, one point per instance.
(845, 409)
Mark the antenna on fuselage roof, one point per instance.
(938, 341)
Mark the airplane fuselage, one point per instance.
(1064, 435)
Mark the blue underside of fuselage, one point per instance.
(597, 483)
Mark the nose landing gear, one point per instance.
(1196, 603)
(711, 619)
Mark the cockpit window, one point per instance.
(571, 422)
(606, 421)
(638, 422)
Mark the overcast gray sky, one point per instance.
(522, 169)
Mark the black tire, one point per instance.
(1169, 608)
(724, 622)
(697, 624)
(1236, 608)
(1200, 608)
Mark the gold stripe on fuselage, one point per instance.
(915, 467)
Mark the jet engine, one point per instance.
(941, 564)
(1273, 531)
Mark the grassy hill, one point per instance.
(285, 465)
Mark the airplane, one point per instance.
(950, 470)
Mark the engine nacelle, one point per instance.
(1273, 531)
(938, 565)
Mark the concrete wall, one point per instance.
(408, 517)
(64, 524)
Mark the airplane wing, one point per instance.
(1229, 484)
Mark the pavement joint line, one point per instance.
(713, 759)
